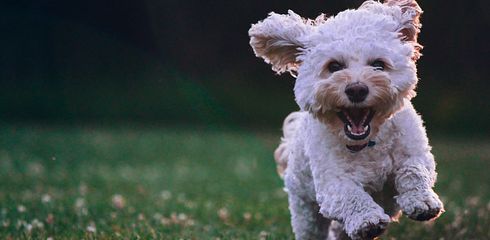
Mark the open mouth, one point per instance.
(356, 122)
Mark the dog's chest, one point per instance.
(373, 166)
(371, 169)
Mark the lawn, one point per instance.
(141, 182)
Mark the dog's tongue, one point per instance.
(356, 118)
(358, 129)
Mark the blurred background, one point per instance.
(189, 62)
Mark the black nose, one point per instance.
(357, 92)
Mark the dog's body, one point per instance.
(357, 152)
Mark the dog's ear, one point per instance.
(407, 13)
(278, 40)
(410, 19)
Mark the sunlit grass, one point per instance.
(157, 182)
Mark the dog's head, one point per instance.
(354, 70)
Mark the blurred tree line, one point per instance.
(189, 61)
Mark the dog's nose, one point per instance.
(357, 92)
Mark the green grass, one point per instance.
(131, 182)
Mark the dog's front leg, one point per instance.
(414, 180)
(415, 173)
(342, 199)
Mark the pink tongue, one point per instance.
(356, 117)
(357, 129)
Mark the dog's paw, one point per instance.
(369, 226)
(370, 230)
(420, 205)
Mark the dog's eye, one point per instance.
(378, 65)
(335, 66)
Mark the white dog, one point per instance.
(357, 152)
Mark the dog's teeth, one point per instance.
(349, 128)
(366, 127)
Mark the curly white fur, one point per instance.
(354, 194)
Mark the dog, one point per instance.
(356, 155)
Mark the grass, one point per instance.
(134, 182)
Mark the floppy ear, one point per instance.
(407, 14)
(277, 39)
(410, 18)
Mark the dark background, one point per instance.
(189, 62)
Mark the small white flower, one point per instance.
(166, 195)
(182, 217)
(37, 224)
(91, 228)
(118, 201)
(79, 203)
(157, 216)
(247, 216)
(28, 227)
(21, 208)
(46, 198)
(263, 235)
(223, 214)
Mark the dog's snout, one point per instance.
(357, 92)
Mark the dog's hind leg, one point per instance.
(281, 154)
(307, 222)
